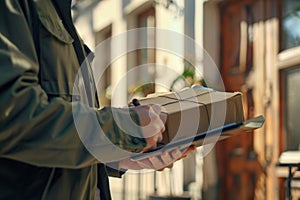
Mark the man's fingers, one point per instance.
(151, 143)
(156, 108)
(165, 160)
(176, 154)
(156, 162)
(165, 156)
(159, 137)
(145, 164)
(155, 121)
(160, 162)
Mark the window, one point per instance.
(291, 108)
(289, 63)
(104, 84)
(290, 27)
(143, 60)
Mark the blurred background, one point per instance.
(256, 46)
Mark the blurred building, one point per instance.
(254, 43)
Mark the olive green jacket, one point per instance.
(42, 155)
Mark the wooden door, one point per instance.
(238, 167)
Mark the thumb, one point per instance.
(156, 108)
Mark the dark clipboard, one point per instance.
(222, 133)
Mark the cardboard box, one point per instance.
(191, 111)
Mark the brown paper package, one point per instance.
(189, 112)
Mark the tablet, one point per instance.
(222, 133)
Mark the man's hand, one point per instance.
(153, 127)
(151, 124)
(159, 163)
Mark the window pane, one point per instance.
(142, 81)
(104, 83)
(292, 109)
(290, 23)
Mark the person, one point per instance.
(41, 153)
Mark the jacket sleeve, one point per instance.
(35, 129)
